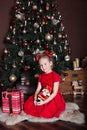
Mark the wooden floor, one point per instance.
(58, 125)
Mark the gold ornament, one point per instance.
(48, 37)
(12, 78)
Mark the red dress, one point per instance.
(52, 108)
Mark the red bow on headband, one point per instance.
(46, 52)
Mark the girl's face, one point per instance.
(45, 65)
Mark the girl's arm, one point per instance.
(37, 90)
(54, 93)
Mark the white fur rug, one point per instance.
(71, 114)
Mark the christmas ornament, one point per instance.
(12, 78)
(25, 22)
(14, 31)
(36, 51)
(60, 35)
(41, 1)
(28, 48)
(65, 47)
(40, 10)
(67, 58)
(20, 16)
(48, 17)
(44, 16)
(54, 42)
(36, 25)
(15, 8)
(13, 41)
(23, 8)
(21, 25)
(35, 31)
(22, 60)
(60, 49)
(66, 42)
(1, 84)
(37, 41)
(24, 31)
(29, 3)
(8, 38)
(5, 51)
(47, 6)
(47, 46)
(40, 29)
(46, 23)
(59, 17)
(14, 65)
(51, 31)
(17, 2)
(55, 21)
(20, 53)
(34, 7)
(48, 37)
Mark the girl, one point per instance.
(47, 101)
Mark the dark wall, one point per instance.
(5, 8)
(74, 16)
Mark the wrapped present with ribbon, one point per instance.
(12, 101)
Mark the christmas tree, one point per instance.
(36, 26)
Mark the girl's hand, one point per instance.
(35, 102)
(40, 103)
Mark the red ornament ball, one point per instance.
(51, 31)
(44, 16)
(15, 8)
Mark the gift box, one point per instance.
(12, 101)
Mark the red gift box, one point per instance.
(12, 102)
